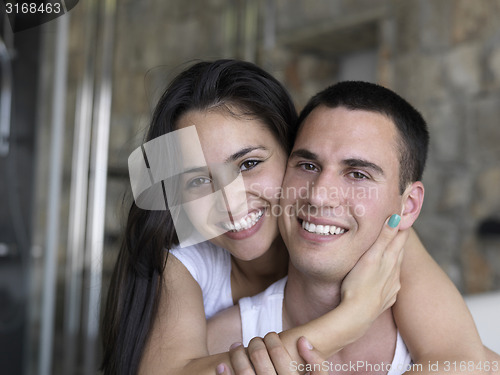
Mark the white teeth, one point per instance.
(322, 229)
(244, 223)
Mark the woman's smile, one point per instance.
(246, 222)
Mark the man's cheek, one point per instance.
(359, 209)
(293, 190)
(365, 193)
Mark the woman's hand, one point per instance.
(372, 285)
(268, 356)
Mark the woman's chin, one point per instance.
(248, 256)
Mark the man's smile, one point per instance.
(322, 229)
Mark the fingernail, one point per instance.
(308, 344)
(220, 368)
(235, 345)
(394, 221)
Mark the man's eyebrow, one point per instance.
(360, 163)
(243, 152)
(303, 153)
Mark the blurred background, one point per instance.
(77, 94)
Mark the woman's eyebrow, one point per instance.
(195, 170)
(303, 153)
(243, 152)
(230, 158)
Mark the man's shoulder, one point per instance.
(377, 348)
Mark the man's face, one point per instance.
(341, 184)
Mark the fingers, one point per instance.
(239, 360)
(393, 221)
(279, 355)
(374, 281)
(389, 231)
(259, 356)
(223, 369)
(390, 244)
(312, 356)
(386, 237)
(396, 246)
(266, 356)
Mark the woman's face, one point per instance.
(231, 189)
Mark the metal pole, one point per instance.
(79, 191)
(54, 195)
(5, 98)
(97, 195)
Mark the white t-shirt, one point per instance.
(210, 266)
(263, 313)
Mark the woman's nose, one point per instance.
(233, 196)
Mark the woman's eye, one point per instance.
(249, 164)
(198, 181)
(308, 167)
(358, 175)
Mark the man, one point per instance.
(359, 153)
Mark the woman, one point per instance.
(155, 317)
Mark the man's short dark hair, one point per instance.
(412, 129)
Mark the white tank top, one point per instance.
(263, 313)
(210, 266)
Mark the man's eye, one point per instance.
(358, 175)
(308, 167)
(199, 181)
(249, 164)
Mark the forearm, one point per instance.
(477, 361)
(432, 316)
(177, 340)
(472, 364)
(329, 333)
(200, 366)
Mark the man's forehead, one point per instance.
(324, 123)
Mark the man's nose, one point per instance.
(325, 190)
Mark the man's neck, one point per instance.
(314, 296)
(252, 277)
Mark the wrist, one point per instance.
(357, 319)
(358, 308)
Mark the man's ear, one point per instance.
(413, 198)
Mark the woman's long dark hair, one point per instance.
(135, 289)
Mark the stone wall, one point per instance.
(444, 61)
(443, 56)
